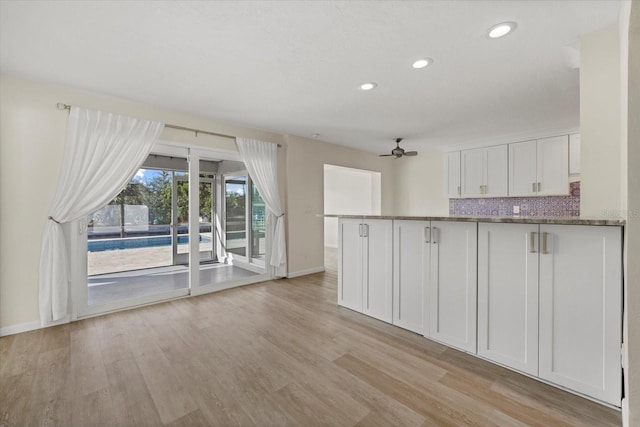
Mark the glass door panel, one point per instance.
(258, 224)
(129, 242)
(180, 224)
(207, 250)
(235, 189)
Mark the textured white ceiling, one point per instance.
(294, 66)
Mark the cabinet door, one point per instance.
(472, 165)
(350, 263)
(378, 271)
(508, 295)
(581, 309)
(452, 284)
(453, 175)
(410, 268)
(496, 161)
(522, 169)
(574, 153)
(553, 166)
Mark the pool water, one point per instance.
(137, 242)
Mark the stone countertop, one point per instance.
(503, 219)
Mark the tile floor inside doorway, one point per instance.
(106, 288)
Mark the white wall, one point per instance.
(32, 137)
(349, 191)
(420, 184)
(602, 172)
(305, 186)
(632, 237)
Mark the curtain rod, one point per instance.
(62, 106)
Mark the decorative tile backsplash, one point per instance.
(529, 206)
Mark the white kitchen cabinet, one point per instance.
(365, 266)
(539, 168)
(508, 295)
(553, 166)
(435, 280)
(453, 189)
(484, 172)
(410, 274)
(550, 303)
(574, 154)
(451, 290)
(581, 309)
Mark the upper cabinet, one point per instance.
(574, 154)
(539, 168)
(453, 175)
(533, 168)
(484, 172)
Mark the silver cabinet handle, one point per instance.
(427, 234)
(539, 187)
(544, 243)
(366, 230)
(533, 187)
(360, 230)
(435, 237)
(532, 242)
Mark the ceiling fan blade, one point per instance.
(410, 153)
(386, 155)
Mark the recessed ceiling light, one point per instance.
(368, 86)
(422, 62)
(502, 29)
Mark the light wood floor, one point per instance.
(275, 353)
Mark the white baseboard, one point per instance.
(20, 327)
(293, 274)
(28, 326)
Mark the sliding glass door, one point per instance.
(245, 220)
(139, 247)
(180, 227)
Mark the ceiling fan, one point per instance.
(399, 152)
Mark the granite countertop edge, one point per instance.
(499, 219)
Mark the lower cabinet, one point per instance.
(508, 295)
(542, 299)
(550, 303)
(411, 254)
(581, 309)
(434, 284)
(365, 265)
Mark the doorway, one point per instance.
(347, 191)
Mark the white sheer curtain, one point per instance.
(261, 159)
(102, 153)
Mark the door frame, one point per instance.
(183, 258)
(76, 238)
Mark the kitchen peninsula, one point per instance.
(539, 295)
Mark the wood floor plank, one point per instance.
(129, 393)
(433, 409)
(280, 352)
(51, 402)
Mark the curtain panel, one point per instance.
(102, 153)
(261, 159)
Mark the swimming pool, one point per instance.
(138, 242)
